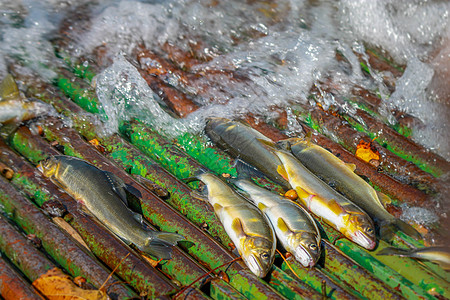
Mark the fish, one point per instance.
(14, 108)
(328, 204)
(342, 178)
(244, 223)
(437, 254)
(243, 142)
(104, 196)
(294, 227)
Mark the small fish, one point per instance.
(246, 143)
(436, 254)
(325, 202)
(295, 228)
(244, 223)
(341, 177)
(104, 196)
(14, 108)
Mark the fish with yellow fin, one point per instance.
(13, 107)
(326, 203)
(295, 228)
(342, 178)
(244, 223)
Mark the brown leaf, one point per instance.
(55, 285)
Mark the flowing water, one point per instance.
(282, 48)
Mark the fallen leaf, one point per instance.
(72, 232)
(55, 285)
(152, 262)
(367, 152)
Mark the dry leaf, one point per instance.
(55, 285)
(97, 145)
(152, 262)
(366, 151)
(72, 232)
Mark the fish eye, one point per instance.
(265, 256)
(312, 247)
(369, 230)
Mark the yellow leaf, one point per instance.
(366, 152)
(55, 285)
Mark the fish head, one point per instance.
(258, 255)
(305, 247)
(49, 166)
(360, 229)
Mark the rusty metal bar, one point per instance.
(359, 278)
(406, 148)
(314, 277)
(13, 286)
(399, 168)
(176, 101)
(59, 246)
(21, 253)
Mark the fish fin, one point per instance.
(351, 166)
(132, 190)
(282, 171)
(137, 217)
(335, 207)
(302, 194)
(387, 230)
(236, 225)
(383, 198)
(394, 251)
(118, 186)
(287, 143)
(217, 207)
(267, 142)
(169, 238)
(199, 196)
(281, 224)
(8, 88)
(262, 206)
(159, 244)
(308, 138)
(245, 170)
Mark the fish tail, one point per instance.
(388, 230)
(394, 251)
(195, 176)
(160, 244)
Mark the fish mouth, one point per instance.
(363, 240)
(303, 256)
(256, 267)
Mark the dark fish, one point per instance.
(104, 196)
(243, 142)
